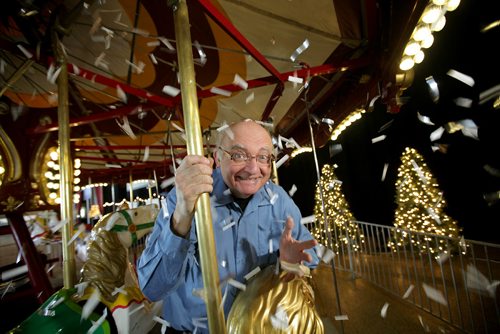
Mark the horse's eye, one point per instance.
(135, 213)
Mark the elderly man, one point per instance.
(253, 224)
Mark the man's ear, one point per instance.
(217, 158)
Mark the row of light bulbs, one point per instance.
(432, 20)
(53, 177)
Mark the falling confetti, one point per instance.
(299, 50)
(172, 91)
(282, 160)
(219, 91)
(250, 98)
(252, 273)
(477, 281)
(434, 294)
(383, 311)
(379, 138)
(341, 317)
(424, 119)
(121, 94)
(26, 53)
(91, 304)
(126, 127)
(408, 291)
(279, 320)
(292, 191)
(240, 82)
(469, 81)
(237, 284)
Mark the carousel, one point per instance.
(101, 100)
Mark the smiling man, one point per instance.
(253, 224)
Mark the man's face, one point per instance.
(247, 177)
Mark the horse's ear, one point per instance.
(124, 206)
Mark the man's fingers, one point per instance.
(307, 244)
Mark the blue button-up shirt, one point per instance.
(169, 268)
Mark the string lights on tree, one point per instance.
(421, 208)
(340, 221)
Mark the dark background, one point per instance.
(460, 171)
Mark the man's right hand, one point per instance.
(193, 178)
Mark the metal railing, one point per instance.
(454, 280)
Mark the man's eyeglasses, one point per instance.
(240, 157)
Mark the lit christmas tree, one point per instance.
(421, 208)
(341, 225)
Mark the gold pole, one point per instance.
(131, 191)
(66, 167)
(203, 215)
(274, 175)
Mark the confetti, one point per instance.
(203, 57)
(153, 59)
(442, 258)
(220, 91)
(26, 53)
(463, 102)
(91, 304)
(492, 170)
(408, 291)
(425, 327)
(384, 171)
(76, 69)
(172, 91)
(252, 273)
(295, 268)
(121, 94)
(295, 79)
(126, 127)
(282, 160)
(477, 281)
(199, 322)
(279, 320)
(328, 255)
(164, 323)
(153, 43)
(146, 154)
(166, 42)
(424, 119)
(112, 166)
(272, 196)
(308, 219)
(58, 226)
(299, 50)
(167, 182)
(433, 89)
(139, 67)
(228, 226)
(119, 290)
(101, 62)
(237, 284)
(383, 311)
(240, 82)
(138, 308)
(341, 317)
(292, 191)
(76, 235)
(99, 322)
(379, 138)
(270, 246)
(434, 215)
(436, 134)
(250, 98)
(419, 171)
(434, 294)
(469, 81)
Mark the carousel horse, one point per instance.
(108, 281)
(270, 304)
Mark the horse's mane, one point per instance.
(107, 258)
(260, 308)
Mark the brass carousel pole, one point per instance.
(203, 215)
(66, 167)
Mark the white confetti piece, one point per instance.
(119, 290)
(161, 321)
(121, 94)
(282, 160)
(58, 226)
(295, 79)
(141, 32)
(433, 88)
(200, 293)
(424, 326)
(91, 304)
(219, 91)
(424, 119)
(469, 81)
(76, 235)
(228, 226)
(308, 219)
(146, 154)
(99, 322)
(26, 53)
(203, 57)
(240, 82)
(327, 256)
(237, 284)
(408, 291)
(279, 320)
(272, 196)
(419, 172)
(384, 172)
(383, 311)
(463, 102)
(477, 281)
(300, 49)
(442, 257)
(252, 273)
(80, 288)
(170, 90)
(153, 43)
(167, 182)
(223, 127)
(434, 294)
(379, 138)
(112, 166)
(271, 246)
(153, 59)
(76, 69)
(137, 309)
(167, 43)
(250, 98)
(200, 322)
(126, 127)
(138, 68)
(341, 317)
(433, 215)
(436, 134)
(101, 62)
(292, 190)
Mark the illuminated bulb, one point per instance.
(48, 175)
(76, 188)
(427, 43)
(53, 195)
(50, 164)
(431, 14)
(419, 57)
(439, 25)
(452, 5)
(50, 185)
(406, 64)
(55, 167)
(421, 32)
(78, 163)
(439, 2)
(58, 200)
(412, 48)
(54, 156)
(2, 170)
(76, 180)
(77, 172)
